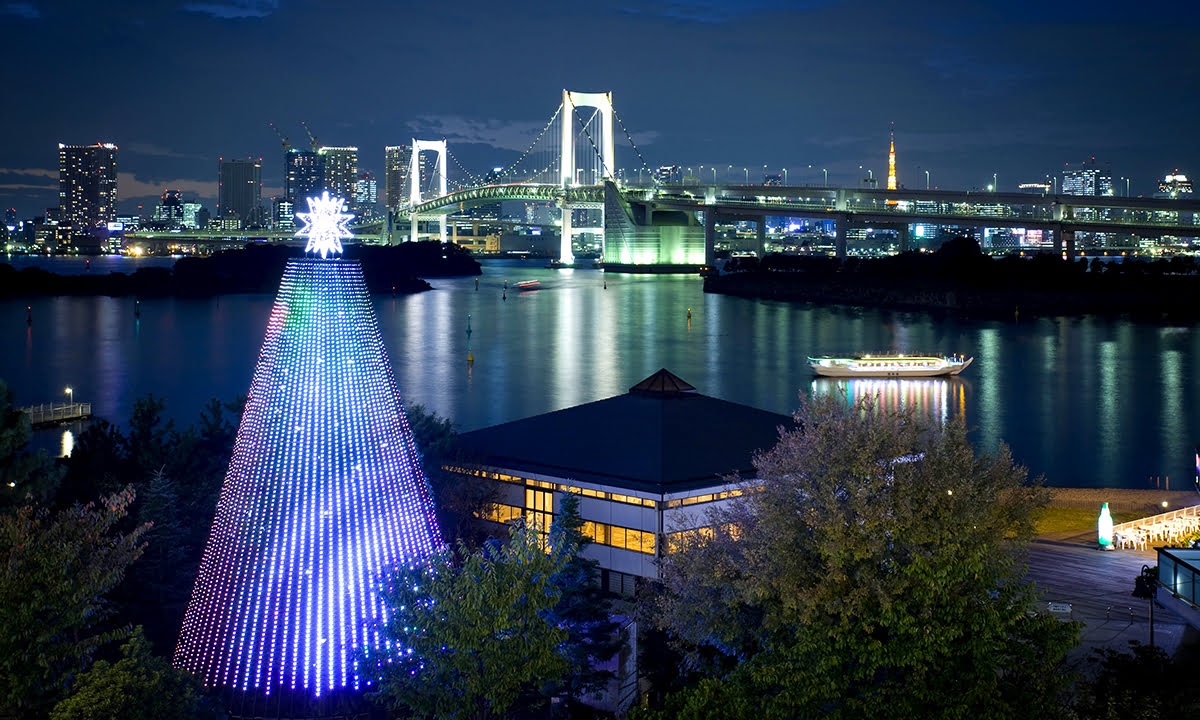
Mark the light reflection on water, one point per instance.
(1086, 401)
(934, 400)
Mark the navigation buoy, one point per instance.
(476, 287)
(137, 308)
(28, 314)
(470, 355)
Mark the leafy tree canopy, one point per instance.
(139, 685)
(473, 630)
(57, 570)
(873, 570)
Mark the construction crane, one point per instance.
(286, 143)
(311, 139)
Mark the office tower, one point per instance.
(1174, 185)
(341, 171)
(284, 215)
(1087, 179)
(395, 176)
(304, 176)
(324, 494)
(169, 211)
(368, 189)
(87, 184)
(239, 190)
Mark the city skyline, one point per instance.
(1015, 93)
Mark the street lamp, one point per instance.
(714, 169)
(747, 171)
(70, 394)
(785, 177)
(826, 171)
(926, 179)
(995, 183)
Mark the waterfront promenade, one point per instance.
(1098, 585)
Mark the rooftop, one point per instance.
(662, 436)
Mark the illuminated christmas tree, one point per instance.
(323, 495)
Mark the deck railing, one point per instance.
(1161, 518)
(55, 413)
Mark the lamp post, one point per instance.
(785, 177)
(70, 395)
(747, 171)
(826, 171)
(714, 169)
(995, 183)
(926, 179)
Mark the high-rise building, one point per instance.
(341, 171)
(284, 217)
(367, 192)
(324, 495)
(395, 175)
(1174, 185)
(169, 211)
(1087, 179)
(190, 209)
(304, 176)
(87, 184)
(239, 190)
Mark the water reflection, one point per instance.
(933, 400)
(67, 445)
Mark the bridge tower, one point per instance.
(603, 104)
(414, 179)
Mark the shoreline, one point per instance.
(1148, 502)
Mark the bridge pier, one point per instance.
(903, 236)
(840, 225)
(710, 236)
(760, 238)
(1069, 243)
(566, 255)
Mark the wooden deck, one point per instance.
(50, 414)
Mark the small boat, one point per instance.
(889, 366)
(528, 285)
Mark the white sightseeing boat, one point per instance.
(889, 366)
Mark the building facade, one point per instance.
(87, 185)
(647, 466)
(341, 172)
(304, 176)
(395, 177)
(239, 190)
(1087, 179)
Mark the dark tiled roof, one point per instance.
(661, 436)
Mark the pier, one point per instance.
(50, 414)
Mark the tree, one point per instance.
(1141, 684)
(583, 607)
(460, 499)
(471, 630)
(57, 570)
(24, 477)
(139, 685)
(874, 570)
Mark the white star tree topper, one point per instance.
(325, 224)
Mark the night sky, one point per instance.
(1013, 88)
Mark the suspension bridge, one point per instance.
(571, 165)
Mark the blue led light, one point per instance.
(323, 494)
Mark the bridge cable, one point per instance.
(531, 145)
(471, 176)
(645, 165)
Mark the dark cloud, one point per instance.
(21, 9)
(235, 9)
